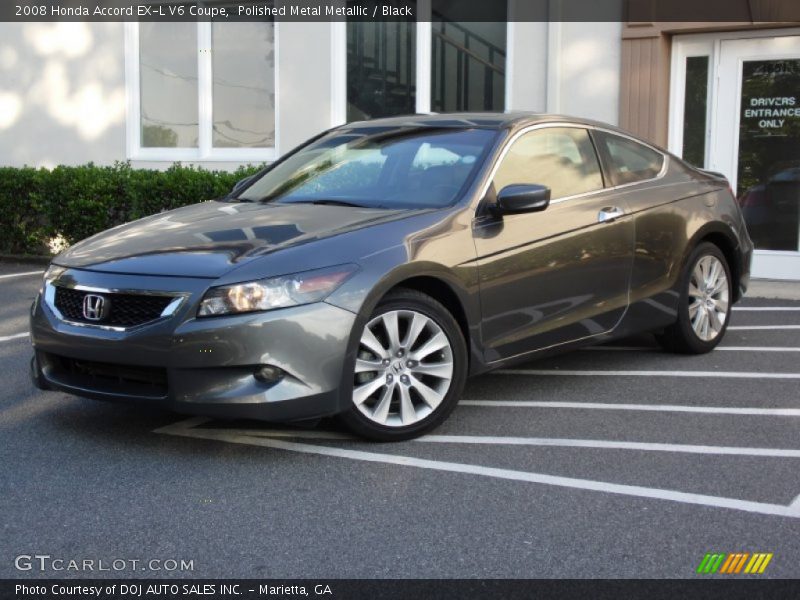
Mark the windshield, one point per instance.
(395, 168)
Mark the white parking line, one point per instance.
(767, 308)
(25, 274)
(756, 349)
(576, 373)
(16, 336)
(609, 445)
(761, 327)
(302, 434)
(491, 440)
(714, 410)
(722, 348)
(181, 429)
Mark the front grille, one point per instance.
(108, 377)
(124, 310)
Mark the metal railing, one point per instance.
(380, 75)
(381, 71)
(474, 49)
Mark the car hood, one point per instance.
(211, 238)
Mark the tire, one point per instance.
(704, 306)
(404, 384)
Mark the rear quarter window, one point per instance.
(629, 161)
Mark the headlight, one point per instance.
(277, 292)
(52, 273)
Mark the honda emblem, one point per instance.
(94, 307)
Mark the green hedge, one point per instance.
(72, 203)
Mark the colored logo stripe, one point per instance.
(710, 563)
(733, 563)
(758, 563)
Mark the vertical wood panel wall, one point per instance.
(644, 93)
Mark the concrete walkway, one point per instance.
(772, 288)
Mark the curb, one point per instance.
(774, 289)
(25, 258)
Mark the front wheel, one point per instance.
(704, 305)
(409, 371)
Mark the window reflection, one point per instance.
(769, 152)
(168, 85)
(630, 161)
(694, 110)
(397, 168)
(467, 65)
(243, 91)
(381, 67)
(562, 159)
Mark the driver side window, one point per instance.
(561, 158)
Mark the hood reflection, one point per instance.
(206, 240)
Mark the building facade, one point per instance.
(725, 96)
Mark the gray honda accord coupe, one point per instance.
(369, 272)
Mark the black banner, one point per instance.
(397, 589)
(644, 11)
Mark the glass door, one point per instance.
(756, 143)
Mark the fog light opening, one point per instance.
(268, 373)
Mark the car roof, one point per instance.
(477, 120)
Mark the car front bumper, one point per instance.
(202, 366)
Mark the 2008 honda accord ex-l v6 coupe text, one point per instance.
(367, 273)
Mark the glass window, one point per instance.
(381, 67)
(630, 161)
(561, 158)
(400, 168)
(168, 85)
(177, 73)
(694, 111)
(243, 71)
(768, 179)
(468, 62)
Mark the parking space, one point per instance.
(613, 461)
(18, 285)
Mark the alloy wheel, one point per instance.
(708, 298)
(404, 368)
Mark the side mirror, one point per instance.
(519, 198)
(240, 184)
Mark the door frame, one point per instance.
(721, 156)
(480, 220)
(703, 44)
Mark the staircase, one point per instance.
(468, 71)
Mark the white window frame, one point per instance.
(424, 35)
(682, 50)
(205, 150)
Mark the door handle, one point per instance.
(609, 213)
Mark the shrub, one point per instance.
(38, 206)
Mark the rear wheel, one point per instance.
(704, 304)
(409, 371)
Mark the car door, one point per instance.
(640, 174)
(562, 274)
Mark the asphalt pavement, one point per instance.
(614, 461)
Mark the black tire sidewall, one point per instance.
(359, 423)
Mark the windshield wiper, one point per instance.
(329, 203)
